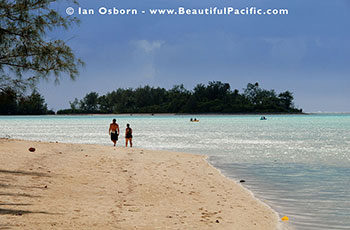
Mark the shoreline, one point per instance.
(183, 191)
(172, 114)
(280, 225)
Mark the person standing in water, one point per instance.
(128, 135)
(114, 131)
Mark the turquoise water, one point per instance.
(297, 164)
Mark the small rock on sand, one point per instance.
(31, 149)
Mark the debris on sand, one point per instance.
(31, 149)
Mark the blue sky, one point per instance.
(306, 51)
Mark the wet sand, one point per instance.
(76, 186)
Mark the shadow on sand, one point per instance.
(18, 195)
(19, 212)
(7, 179)
(5, 226)
(23, 173)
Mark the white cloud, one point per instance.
(148, 46)
(143, 58)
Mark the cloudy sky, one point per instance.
(306, 51)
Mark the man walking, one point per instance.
(114, 131)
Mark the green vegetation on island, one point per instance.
(216, 97)
(13, 103)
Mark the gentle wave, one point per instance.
(298, 164)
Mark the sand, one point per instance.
(77, 186)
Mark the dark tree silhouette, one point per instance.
(216, 97)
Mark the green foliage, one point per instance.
(216, 97)
(26, 52)
(89, 103)
(12, 103)
(33, 104)
(8, 102)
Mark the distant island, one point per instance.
(215, 97)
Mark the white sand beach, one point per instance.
(79, 186)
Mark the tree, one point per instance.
(26, 53)
(143, 96)
(286, 99)
(89, 104)
(12, 103)
(74, 105)
(33, 104)
(218, 90)
(8, 102)
(105, 104)
(216, 97)
(178, 96)
(252, 91)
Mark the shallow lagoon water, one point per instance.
(297, 164)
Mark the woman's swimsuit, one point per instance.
(128, 134)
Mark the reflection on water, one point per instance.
(299, 165)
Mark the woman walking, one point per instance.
(128, 135)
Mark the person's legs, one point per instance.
(114, 138)
(128, 140)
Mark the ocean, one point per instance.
(297, 164)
